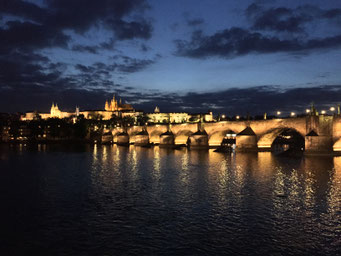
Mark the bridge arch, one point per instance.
(337, 145)
(114, 134)
(217, 137)
(182, 136)
(265, 141)
(154, 136)
(132, 135)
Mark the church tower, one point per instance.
(77, 111)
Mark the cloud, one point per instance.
(272, 30)
(129, 30)
(27, 36)
(254, 100)
(86, 48)
(29, 30)
(195, 22)
(121, 63)
(283, 19)
(35, 27)
(234, 42)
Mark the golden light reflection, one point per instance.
(334, 195)
(117, 158)
(133, 159)
(104, 154)
(309, 185)
(219, 176)
(294, 186)
(265, 162)
(95, 153)
(157, 162)
(184, 161)
(279, 191)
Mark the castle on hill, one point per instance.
(114, 105)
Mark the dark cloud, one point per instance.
(23, 9)
(283, 19)
(333, 13)
(37, 27)
(27, 36)
(145, 48)
(255, 100)
(195, 22)
(28, 28)
(237, 41)
(80, 15)
(121, 63)
(86, 48)
(129, 30)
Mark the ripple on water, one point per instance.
(114, 201)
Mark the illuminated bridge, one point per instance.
(320, 134)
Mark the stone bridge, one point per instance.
(320, 133)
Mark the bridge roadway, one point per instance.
(321, 133)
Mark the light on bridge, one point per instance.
(292, 114)
(278, 113)
(323, 112)
(332, 109)
(237, 117)
(307, 111)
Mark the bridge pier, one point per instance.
(123, 138)
(142, 138)
(167, 139)
(318, 144)
(246, 141)
(319, 139)
(198, 139)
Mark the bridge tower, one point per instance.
(199, 139)
(142, 138)
(246, 140)
(319, 133)
(167, 139)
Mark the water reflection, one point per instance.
(334, 195)
(159, 200)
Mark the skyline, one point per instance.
(250, 56)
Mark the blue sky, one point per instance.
(181, 55)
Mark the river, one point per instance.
(111, 200)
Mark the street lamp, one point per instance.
(237, 117)
(307, 111)
(278, 113)
(292, 114)
(323, 112)
(332, 109)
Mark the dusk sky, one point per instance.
(230, 57)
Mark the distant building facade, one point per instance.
(111, 107)
(114, 107)
(177, 117)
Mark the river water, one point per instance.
(110, 200)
